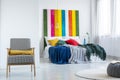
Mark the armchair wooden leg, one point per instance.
(34, 71)
(7, 71)
(31, 67)
(9, 68)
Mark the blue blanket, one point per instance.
(59, 54)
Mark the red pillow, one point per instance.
(72, 42)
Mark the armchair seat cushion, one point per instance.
(21, 52)
(21, 59)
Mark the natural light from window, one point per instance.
(104, 19)
(108, 17)
(117, 32)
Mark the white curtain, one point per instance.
(108, 23)
(103, 17)
(117, 9)
(108, 17)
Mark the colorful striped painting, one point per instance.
(73, 16)
(56, 21)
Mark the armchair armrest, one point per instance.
(33, 49)
(8, 51)
(33, 53)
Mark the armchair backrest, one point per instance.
(20, 43)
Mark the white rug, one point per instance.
(95, 74)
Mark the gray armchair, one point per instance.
(20, 53)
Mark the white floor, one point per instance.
(49, 71)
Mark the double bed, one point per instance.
(72, 53)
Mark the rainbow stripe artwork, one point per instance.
(56, 22)
(73, 16)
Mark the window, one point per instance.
(117, 17)
(108, 17)
(104, 17)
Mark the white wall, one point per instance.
(94, 28)
(111, 45)
(82, 5)
(24, 18)
(0, 24)
(20, 19)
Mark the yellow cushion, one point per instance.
(53, 41)
(21, 52)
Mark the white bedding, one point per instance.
(46, 52)
(78, 54)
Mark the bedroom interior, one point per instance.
(80, 29)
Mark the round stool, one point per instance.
(113, 69)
